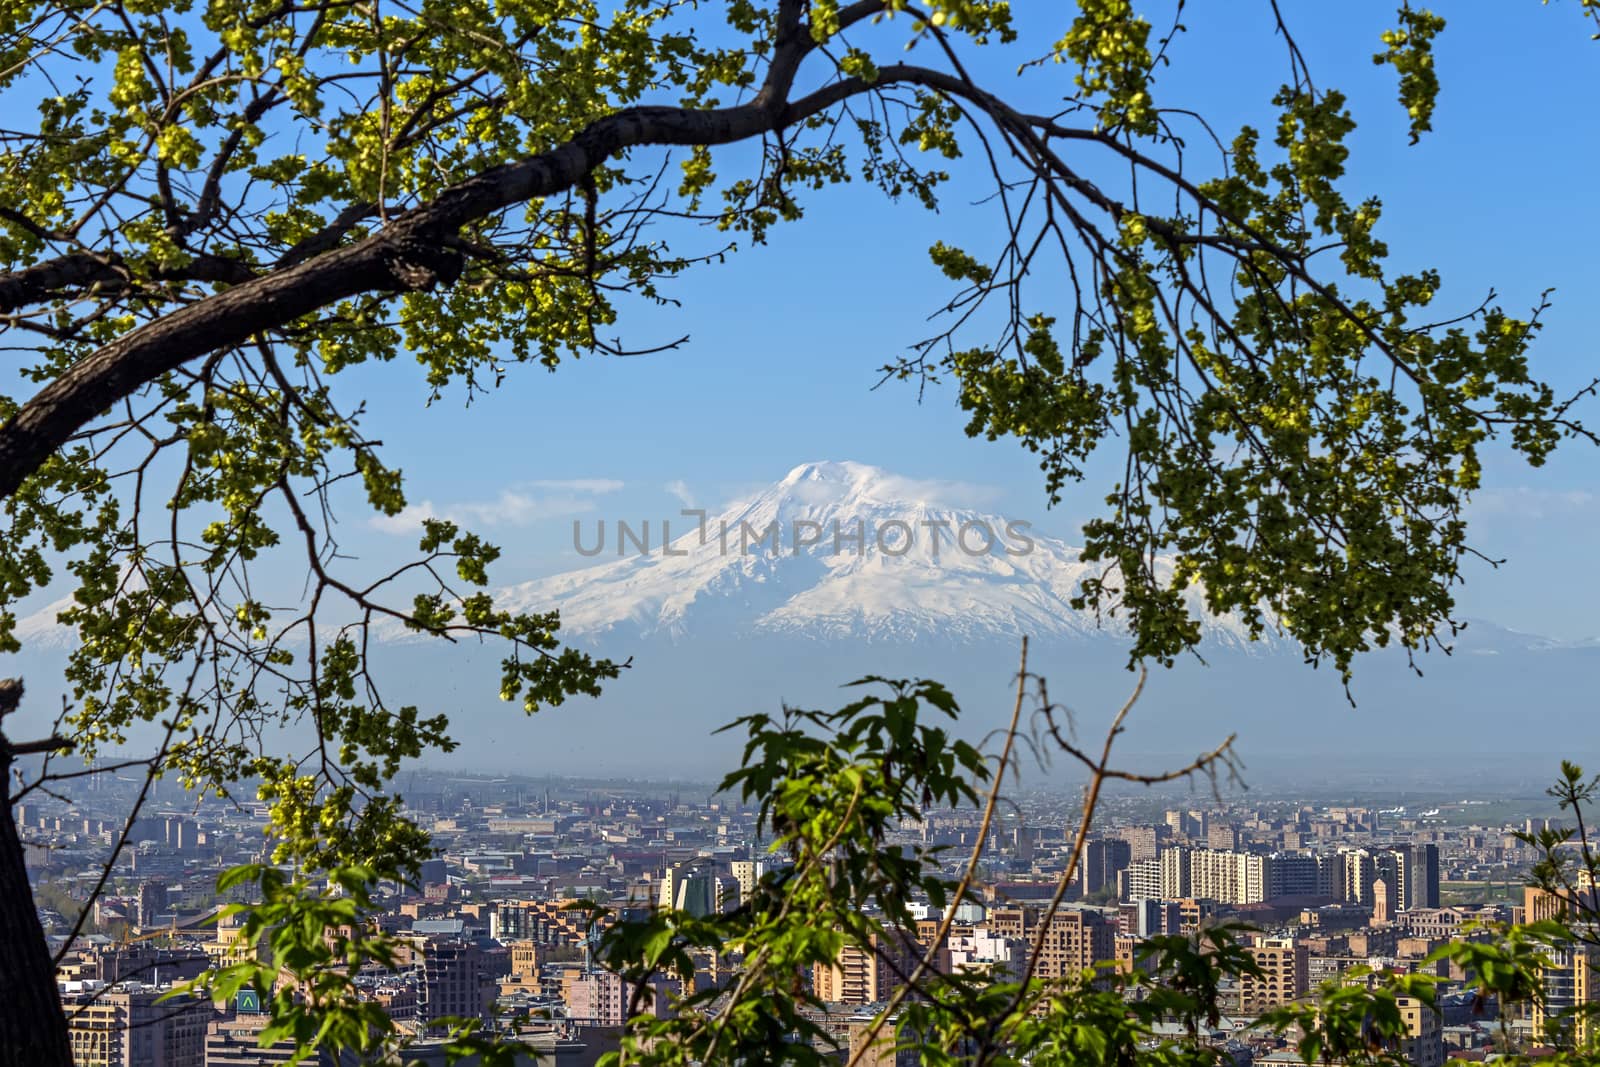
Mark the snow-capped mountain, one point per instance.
(832, 574)
(834, 550)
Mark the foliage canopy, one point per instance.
(208, 211)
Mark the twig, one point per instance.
(931, 952)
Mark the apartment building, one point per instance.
(871, 974)
(1285, 974)
(1569, 982)
(1075, 940)
(129, 1025)
(1423, 1045)
(1231, 877)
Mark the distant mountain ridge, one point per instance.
(839, 550)
(714, 631)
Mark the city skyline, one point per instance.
(1327, 885)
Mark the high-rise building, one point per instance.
(1411, 871)
(1075, 941)
(667, 889)
(1422, 877)
(1229, 877)
(177, 832)
(1102, 861)
(696, 887)
(1363, 867)
(1176, 873)
(705, 893)
(1222, 837)
(1141, 881)
(1189, 824)
(1330, 875)
(748, 874)
(1359, 873)
(1022, 839)
(869, 974)
(1285, 966)
(453, 980)
(151, 903)
(1144, 841)
(1293, 874)
(1569, 982)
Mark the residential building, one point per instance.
(602, 998)
(1229, 877)
(234, 1043)
(870, 974)
(1285, 974)
(1569, 982)
(1102, 861)
(747, 873)
(1141, 880)
(1075, 941)
(1177, 875)
(1423, 1044)
(130, 1025)
(453, 981)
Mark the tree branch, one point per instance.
(78, 271)
(411, 253)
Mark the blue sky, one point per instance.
(785, 339)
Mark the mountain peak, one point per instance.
(849, 484)
(843, 481)
(833, 472)
(838, 549)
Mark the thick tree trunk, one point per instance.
(33, 1028)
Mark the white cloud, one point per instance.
(680, 489)
(406, 520)
(579, 485)
(515, 506)
(935, 491)
(1529, 503)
